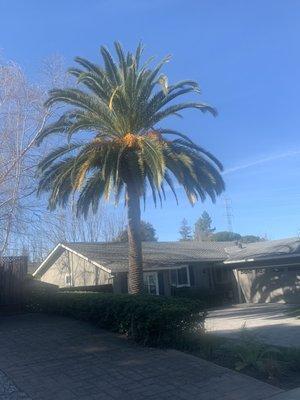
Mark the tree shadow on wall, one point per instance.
(277, 285)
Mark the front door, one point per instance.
(151, 282)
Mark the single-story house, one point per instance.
(259, 272)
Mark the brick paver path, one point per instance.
(56, 358)
(8, 391)
(273, 323)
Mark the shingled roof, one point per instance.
(265, 250)
(114, 256)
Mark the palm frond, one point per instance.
(159, 116)
(115, 109)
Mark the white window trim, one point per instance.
(156, 280)
(188, 284)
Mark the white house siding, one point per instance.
(82, 272)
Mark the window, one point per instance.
(151, 282)
(180, 277)
(68, 280)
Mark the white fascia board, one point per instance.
(158, 268)
(46, 259)
(278, 257)
(239, 261)
(63, 246)
(270, 266)
(87, 259)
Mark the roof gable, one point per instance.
(56, 253)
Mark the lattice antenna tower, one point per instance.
(228, 213)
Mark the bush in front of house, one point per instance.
(150, 320)
(33, 286)
(208, 297)
(107, 288)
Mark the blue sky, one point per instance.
(245, 55)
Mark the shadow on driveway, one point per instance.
(274, 323)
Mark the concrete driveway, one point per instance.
(54, 358)
(272, 323)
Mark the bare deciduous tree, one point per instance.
(22, 116)
(25, 223)
(104, 226)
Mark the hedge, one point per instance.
(35, 286)
(150, 320)
(107, 288)
(210, 298)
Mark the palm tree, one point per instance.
(116, 112)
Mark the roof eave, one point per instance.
(276, 257)
(87, 259)
(43, 267)
(44, 263)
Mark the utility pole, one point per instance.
(229, 214)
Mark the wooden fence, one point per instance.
(13, 271)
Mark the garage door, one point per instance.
(270, 284)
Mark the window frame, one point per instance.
(146, 284)
(68, 279)
(176, 269)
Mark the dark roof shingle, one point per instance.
(115, 255)
(265, 249)
(157, 255)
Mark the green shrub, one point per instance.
(291, 358)
(149, 320)
(251, 353)
(201, 344)
(34, 286)
(208, 297)
(107, 288)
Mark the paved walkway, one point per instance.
(273, 323)
(8, 391)
(290, 395)
(55, 358)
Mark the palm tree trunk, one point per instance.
(135, 276)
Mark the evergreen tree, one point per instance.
(185, 231)
(251, 239)
(148, 233)
(226, 236)
(203, 229)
